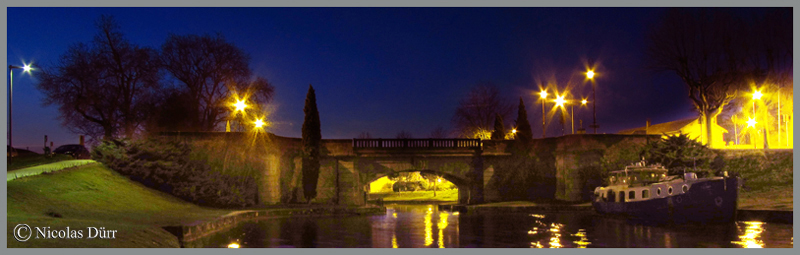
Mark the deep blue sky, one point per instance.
(382, 70)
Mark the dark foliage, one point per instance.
(209, 70)
(476, 112)
(104, 89)
(312, 137)
(167, 166)
(524, 131)
(499, 130)
(678, 153)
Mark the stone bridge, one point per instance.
(348, 166)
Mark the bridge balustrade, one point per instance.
(416, 143)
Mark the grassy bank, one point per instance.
(768, 177)
(441, 196)
(94, 196)
(32, 159)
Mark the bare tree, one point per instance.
(104, 88)
(439, 132)
(210, 69)
(403, 135)
(715, 53)
(475, 115)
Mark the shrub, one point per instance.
(678, 153)
(168, 167)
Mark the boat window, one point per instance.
(610, 195)
(622, 196)
(685, 188)
(645, 194)
(669, 190)
(632, 194)
(658, 192)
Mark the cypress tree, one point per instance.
(312, 137)
(499, 130)
(524, 132)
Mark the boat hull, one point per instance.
(709, 201)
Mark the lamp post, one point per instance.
(238, 107)
(560, 104)
(543, 95)
(572, 108)
(751, 122)
(590, 76)
(735, 133)
(757, 96)
(26, 68)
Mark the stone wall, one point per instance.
(567, 168)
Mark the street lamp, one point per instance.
(543, 95)
(757, 96)
(590, 76)
(560, 104)
(751, 122)
(239, 106)
(26, 68)
(259, 123)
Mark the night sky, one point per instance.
(382, 70)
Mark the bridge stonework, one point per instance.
(347, 166)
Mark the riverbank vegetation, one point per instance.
(95, 196)
(192, 173)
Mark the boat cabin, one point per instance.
(637, 175)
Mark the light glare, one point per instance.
(751, 122)
(757, 95)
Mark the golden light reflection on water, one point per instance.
(233, 245)
(555, 238)
(394, 241)
(428, 227)
(583, 242)
(442, 225)
(752, 234)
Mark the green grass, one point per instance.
(30, 160)
(95, 196)
(447, 195)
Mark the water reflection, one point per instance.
(442, 225)
(428, 226)
(424, 226)
(752, 234)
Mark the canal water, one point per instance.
(424, 226)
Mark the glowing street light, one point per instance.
(259, 123)
(543, 95)
(240, 105)
(757, 96)
(590, 75)
(560, 104)
(26, 68)
(751, 122)
(583, 102)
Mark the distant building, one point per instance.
(692, 127)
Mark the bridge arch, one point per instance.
(461, 183)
